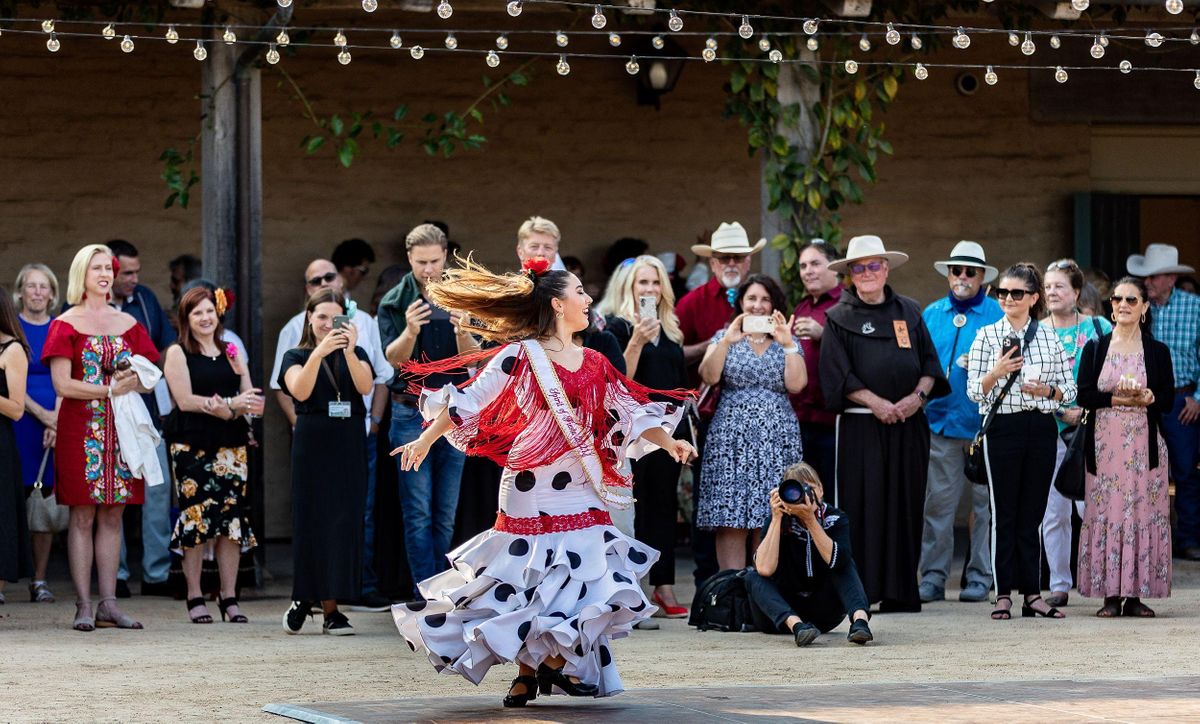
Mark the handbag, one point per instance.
(1070, 480)
(44, 513)
(975, 466)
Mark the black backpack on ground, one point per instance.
(721, 603)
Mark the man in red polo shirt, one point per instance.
(708, 308)
(822, 289)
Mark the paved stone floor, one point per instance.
(1109, 700)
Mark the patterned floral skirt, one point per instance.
(212, 497)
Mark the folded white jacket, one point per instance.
(136, 434)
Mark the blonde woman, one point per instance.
(653, 349)
(614, 291)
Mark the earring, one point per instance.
(1143, 317)
(1114, 315)
(559, 315)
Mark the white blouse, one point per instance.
(1044, 350)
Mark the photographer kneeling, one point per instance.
(804, 580)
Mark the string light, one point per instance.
(1174, 6)
(451, 42)
(127, 44)
(632, 66)
(502, 41)
(710, 42)
(810, 26)
(990, 76)
(395, 40)
(675, 23)
(775, 56)
(864, 43)
(745, 30)
(514, 8)
(1125, 67)
(708, 55)
(1154, 39)
(344, 56)
(598, 19)
(52, 43)
(1028, 47)
(109, 32)
(283, 39)
(1104, 40)
(851, 66)
(563, 67)
(962, 41)
(921, 72)
(1060, 74)
(371, 5)
(1194, 38)
(1055, 42)
(492, 59)
(614, 40)
(812, 44)
(340, 39)
(445, 10)
(1196, 80)
(1079, 5)
(417, 52)
(199, 53)
(1097, 49)
(272, 54)
(892, 36)
(560, 39)
(172, 35)
(764, 43)
(229, 37)
(658, 42)
(47, 26)
(284, 3)
(1013, 39)
(915, 42)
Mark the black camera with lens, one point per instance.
(794, 492)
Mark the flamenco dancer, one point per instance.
(553, 582)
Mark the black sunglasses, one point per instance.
(326, 278)
(1016, 294)
(958, 271)
(1117, 299)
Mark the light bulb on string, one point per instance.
(1055, 42)
(445, 10)
(108, 32)
(810, 26)
(395, 41)
(1154, 39)
(344, 57)
(52, 43)
(915, 42)
(614, 40)
(1097, 49)
(228, 36)
(921, 72)
(745, 30)
(764, 43)
(675, 23)
(962, 41)
(563, 67)
(492, 59)
(1174, 6)
(1027, 47)
(851, 66)
(272, 54)
(658, 42)
(283, 39)
(1125, 67)
(1013, 39)
(864, 43)
(812, 44)
(598, 19)
(47, 26)
(1060, 74)
(710, 42)
(451, 42)
(708, 54)
(417, 52)
(1104, 39)
(340, 39)
(514, 8)
(370, 5)
(172, 35)
(892, 36)
(502, 42)
(1079, 5)
(990, 76)
(560, 39)
(1194, 38)
(127, 44)
(775, 56)
(632, 66)
(1196, 80)
(200, 53)
(284, 3)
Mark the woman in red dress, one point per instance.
(83, 349)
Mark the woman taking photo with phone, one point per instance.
(1025, 358)
(327, 376)
(754, 435)
(648, 331)
(207, 436)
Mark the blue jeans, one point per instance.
(1183, 444)
(428, 497)
(369, 580)
(156, 528)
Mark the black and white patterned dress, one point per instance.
(752, 439)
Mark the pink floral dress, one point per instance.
(1125, 541)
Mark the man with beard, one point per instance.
(822, 290)
(878, 367)
(953, 422)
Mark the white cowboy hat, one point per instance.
(728, 239)
(866, 247)
(1158, 259)
(967, 253)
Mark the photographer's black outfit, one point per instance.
(804, 584)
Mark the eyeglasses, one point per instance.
(324, 278)
(958, 271)
(1016, 294)
(1117, 299)
(1062, 264)
(727, 260)
(872, 266)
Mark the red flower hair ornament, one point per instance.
(536, 266)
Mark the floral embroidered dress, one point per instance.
(1125, 540)
(553, 576)
(87, 456)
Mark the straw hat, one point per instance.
(1158, 259)
(728, 239)
(867, 247)
(967, 253)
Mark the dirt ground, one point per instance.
(174, 670)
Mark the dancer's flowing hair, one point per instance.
(501, 307)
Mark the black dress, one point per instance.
(656, 476)
(329, 483)
(16, 561)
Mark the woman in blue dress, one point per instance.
(35, 294)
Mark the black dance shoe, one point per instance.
(518, 700)
(549, 678)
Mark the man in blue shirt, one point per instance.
(953, 422)
(1175, 321)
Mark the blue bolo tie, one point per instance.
(731, 295)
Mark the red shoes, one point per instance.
(668, 611)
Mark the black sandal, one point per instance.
(1111, 607)
(196, 603)
(1028, 611)
(549, 678)
(518, 700)
(1002, 614)
(225, 604)
(1134, 607)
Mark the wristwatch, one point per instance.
(924, 396)
(794, 349)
